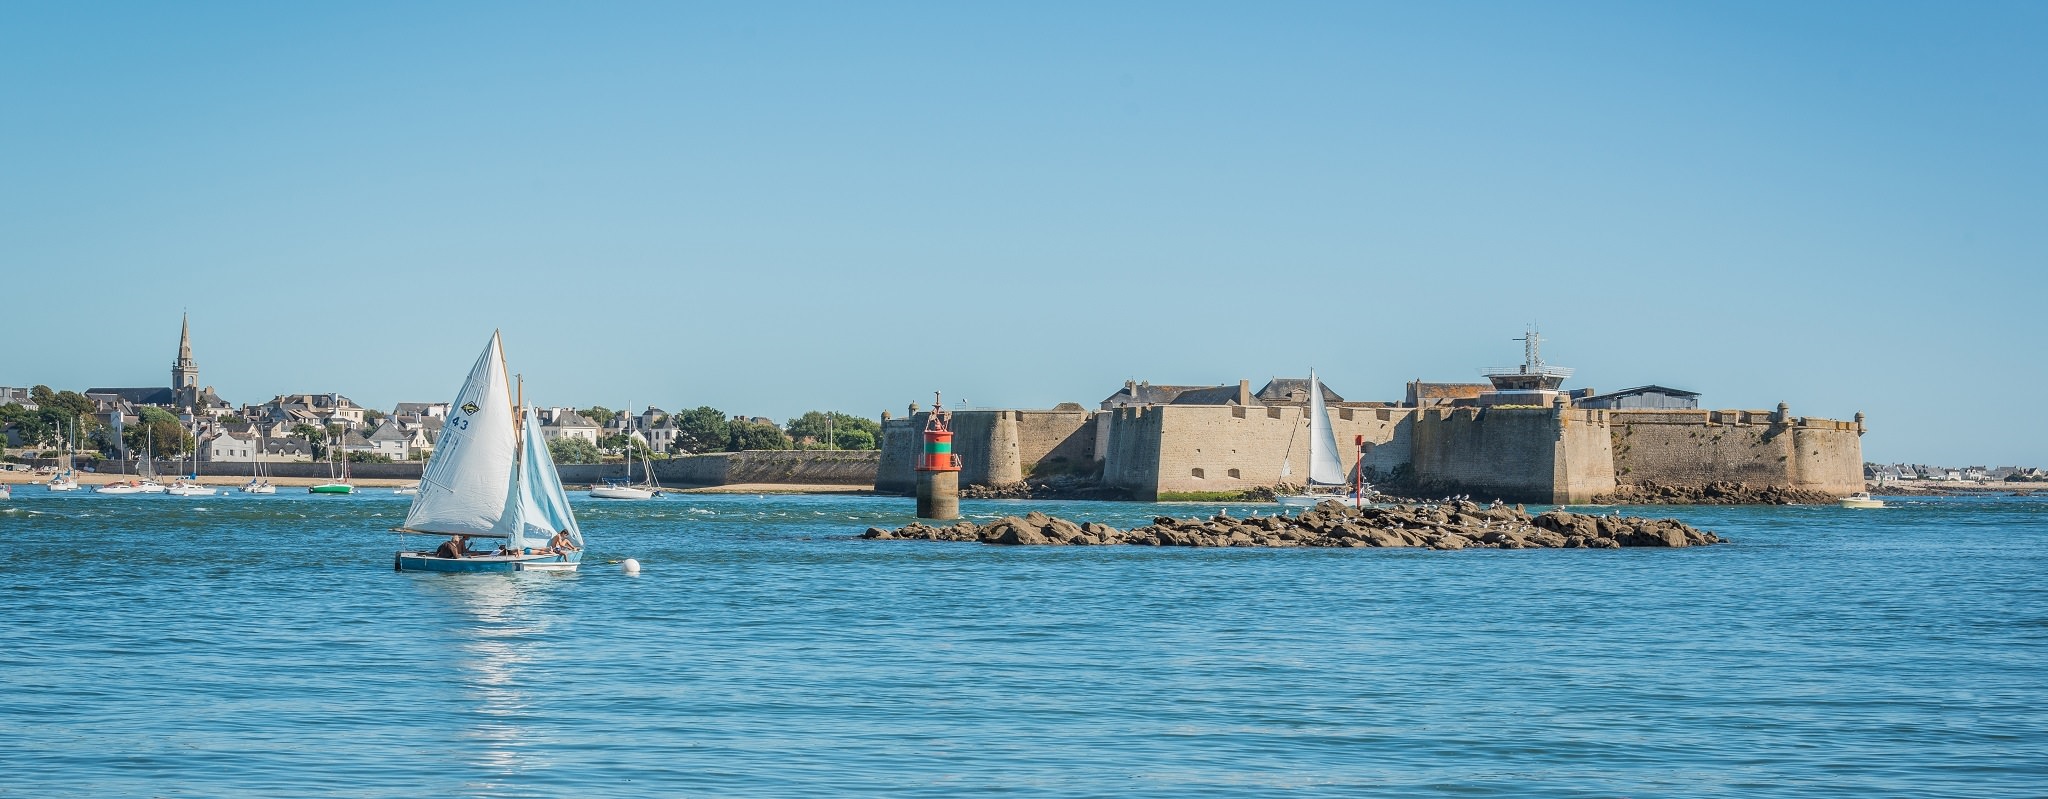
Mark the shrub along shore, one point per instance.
(1445, 526)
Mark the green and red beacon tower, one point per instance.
(938, 471)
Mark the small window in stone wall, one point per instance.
(1196, 472)
(1233, 474)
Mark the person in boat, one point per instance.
(452, 548)
(561, 543)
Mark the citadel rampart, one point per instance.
(1172, 449)
(1554, 455)
(1520, 454)
(1759, 448)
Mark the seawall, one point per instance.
(798, 467)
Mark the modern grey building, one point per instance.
(1643, 397)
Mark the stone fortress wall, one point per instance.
(1200, 448)
(1557, 455)
(1550, 455)
(1697, 447)
(996, 447)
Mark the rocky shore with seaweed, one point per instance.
(1441, 526)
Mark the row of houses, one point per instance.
(652, 427)
(1888, 473)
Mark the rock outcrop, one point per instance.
(1448, 526)
(1055, 487)
(1720, 492)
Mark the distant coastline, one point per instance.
(1954, 488)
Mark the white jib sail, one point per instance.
(466, 483)
(544, 505)
(1323, 466)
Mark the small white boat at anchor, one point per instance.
(1325, 472)
(493, 478)
(66, 479)
(131, 487)
(187, 488)
(1861, 499)
(259, 483)
(625, 488)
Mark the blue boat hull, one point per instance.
(426, 562)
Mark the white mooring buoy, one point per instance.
(629, 566)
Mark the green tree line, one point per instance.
(706, 429)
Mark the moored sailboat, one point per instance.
(626, 488)
(342, 486)
(67, 478)
(258, 482)
(492, 477)
(1325, 471)
(148, 483)
(189, 485)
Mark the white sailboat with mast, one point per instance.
(67, 480)
(259, 483)
(492, 477)
(189, 486)
(1325, 471)
(148, 483)
(626, 488)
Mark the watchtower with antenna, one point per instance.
(1532, 383)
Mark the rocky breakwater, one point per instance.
(1719, 492)
(1448, 526)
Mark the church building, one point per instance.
(183, 396)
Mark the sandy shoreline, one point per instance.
(98, 479)
(92, 479)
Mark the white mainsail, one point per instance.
(466, 484)
(1323, 466)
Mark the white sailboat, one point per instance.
(626, 488)
(67, 480)
(259, 483)
(1325, 471)
(148, 483)
(189, 486)
(492, 477)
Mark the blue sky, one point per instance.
(772, 208)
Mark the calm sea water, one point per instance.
(238, 646)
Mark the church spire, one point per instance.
(184, 372)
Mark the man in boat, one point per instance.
(560, 543)
(452, 548)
